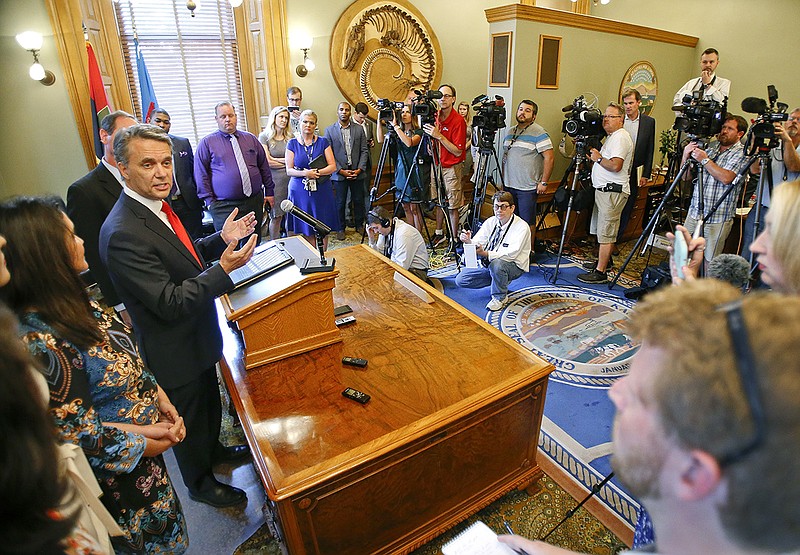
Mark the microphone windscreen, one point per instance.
(567, 108)
(753, 105)
(731, 268)
(287, 205)
(435, 94)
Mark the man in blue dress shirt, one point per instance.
(231, 170)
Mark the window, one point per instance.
(193, 61)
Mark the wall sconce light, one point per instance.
(191, 5)
(236, 3)
(304, 42)
(32, 42)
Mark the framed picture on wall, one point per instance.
(549, 68)
(642, 77)
(500, 72)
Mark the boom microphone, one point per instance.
(731, 268)
(321, 228)
(753, 105)
(567, 108)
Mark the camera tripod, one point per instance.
(577, 165)
(486, 148)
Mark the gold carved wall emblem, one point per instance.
(383, 50)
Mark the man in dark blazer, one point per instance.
(350, 149)
(360, 117)
(162, 277)
(90, 199)
(183, 196)
(642, 129)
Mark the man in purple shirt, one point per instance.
(231, 170)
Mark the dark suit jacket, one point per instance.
(184, 171)
(644, 148)
(168, 294)
(359, 152)
(89, 200)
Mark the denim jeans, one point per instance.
(499, 274)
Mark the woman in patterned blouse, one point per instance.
(102, 396)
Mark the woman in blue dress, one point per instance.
(102, 397)
(310, 189)
(409, 189)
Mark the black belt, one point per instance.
(611, 188)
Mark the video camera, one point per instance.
(762, 132)
(424, 105)
(700, 117)
(388, 110)
(490, 113)
(581, 120)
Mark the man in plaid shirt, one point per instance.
(720, 164)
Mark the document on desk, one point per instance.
(478, 539)
(470, 255)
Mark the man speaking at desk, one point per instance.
(161, 276)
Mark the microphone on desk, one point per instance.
(321, 228)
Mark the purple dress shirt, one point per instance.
(217, 174)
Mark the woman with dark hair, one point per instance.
(101, 395)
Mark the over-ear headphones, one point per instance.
(383, 221)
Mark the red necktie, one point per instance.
(179, 230)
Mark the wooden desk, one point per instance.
(452, 425)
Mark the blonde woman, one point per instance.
(275, 137)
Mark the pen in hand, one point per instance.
(510, 530)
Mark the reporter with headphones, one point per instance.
(399, 241)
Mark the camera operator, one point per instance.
(610, 179)
(527, 162)
(720, 164)
(294, 97)
(408, 137)
(785, 167)
(504, 244)
(450, 130)
(709, 83)
(401, 242)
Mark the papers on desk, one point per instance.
(478, 539)
(470, 255)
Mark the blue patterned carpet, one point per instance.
(580, 329)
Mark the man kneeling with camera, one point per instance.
(503, 243)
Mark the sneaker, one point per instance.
(592, 264)
(593, 277)
(496, 304)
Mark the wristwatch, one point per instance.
(705, 161)
(600, 159)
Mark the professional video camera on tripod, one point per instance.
(583, 122)
(700, 119)
(761, 140)
(490, 116)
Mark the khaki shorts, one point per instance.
(452, 184)
(715, 235)
(606, 214)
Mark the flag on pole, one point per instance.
(99, 101)
(149, 102)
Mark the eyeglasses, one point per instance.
(745, 364)
(609, 117)
(503, 206)
(444, 95)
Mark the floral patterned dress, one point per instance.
(109, 383)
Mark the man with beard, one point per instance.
(527, 162)
(719, 166)
(704, 422)
(785, 167)
(710, 85)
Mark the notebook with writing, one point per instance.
(477, 539)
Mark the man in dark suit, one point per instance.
(162, 277)
(90, 199)
(183, 196)
(642, 129)
(350, 149)
(360, 117)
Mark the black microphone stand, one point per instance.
(323, 266)
(577, 163)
